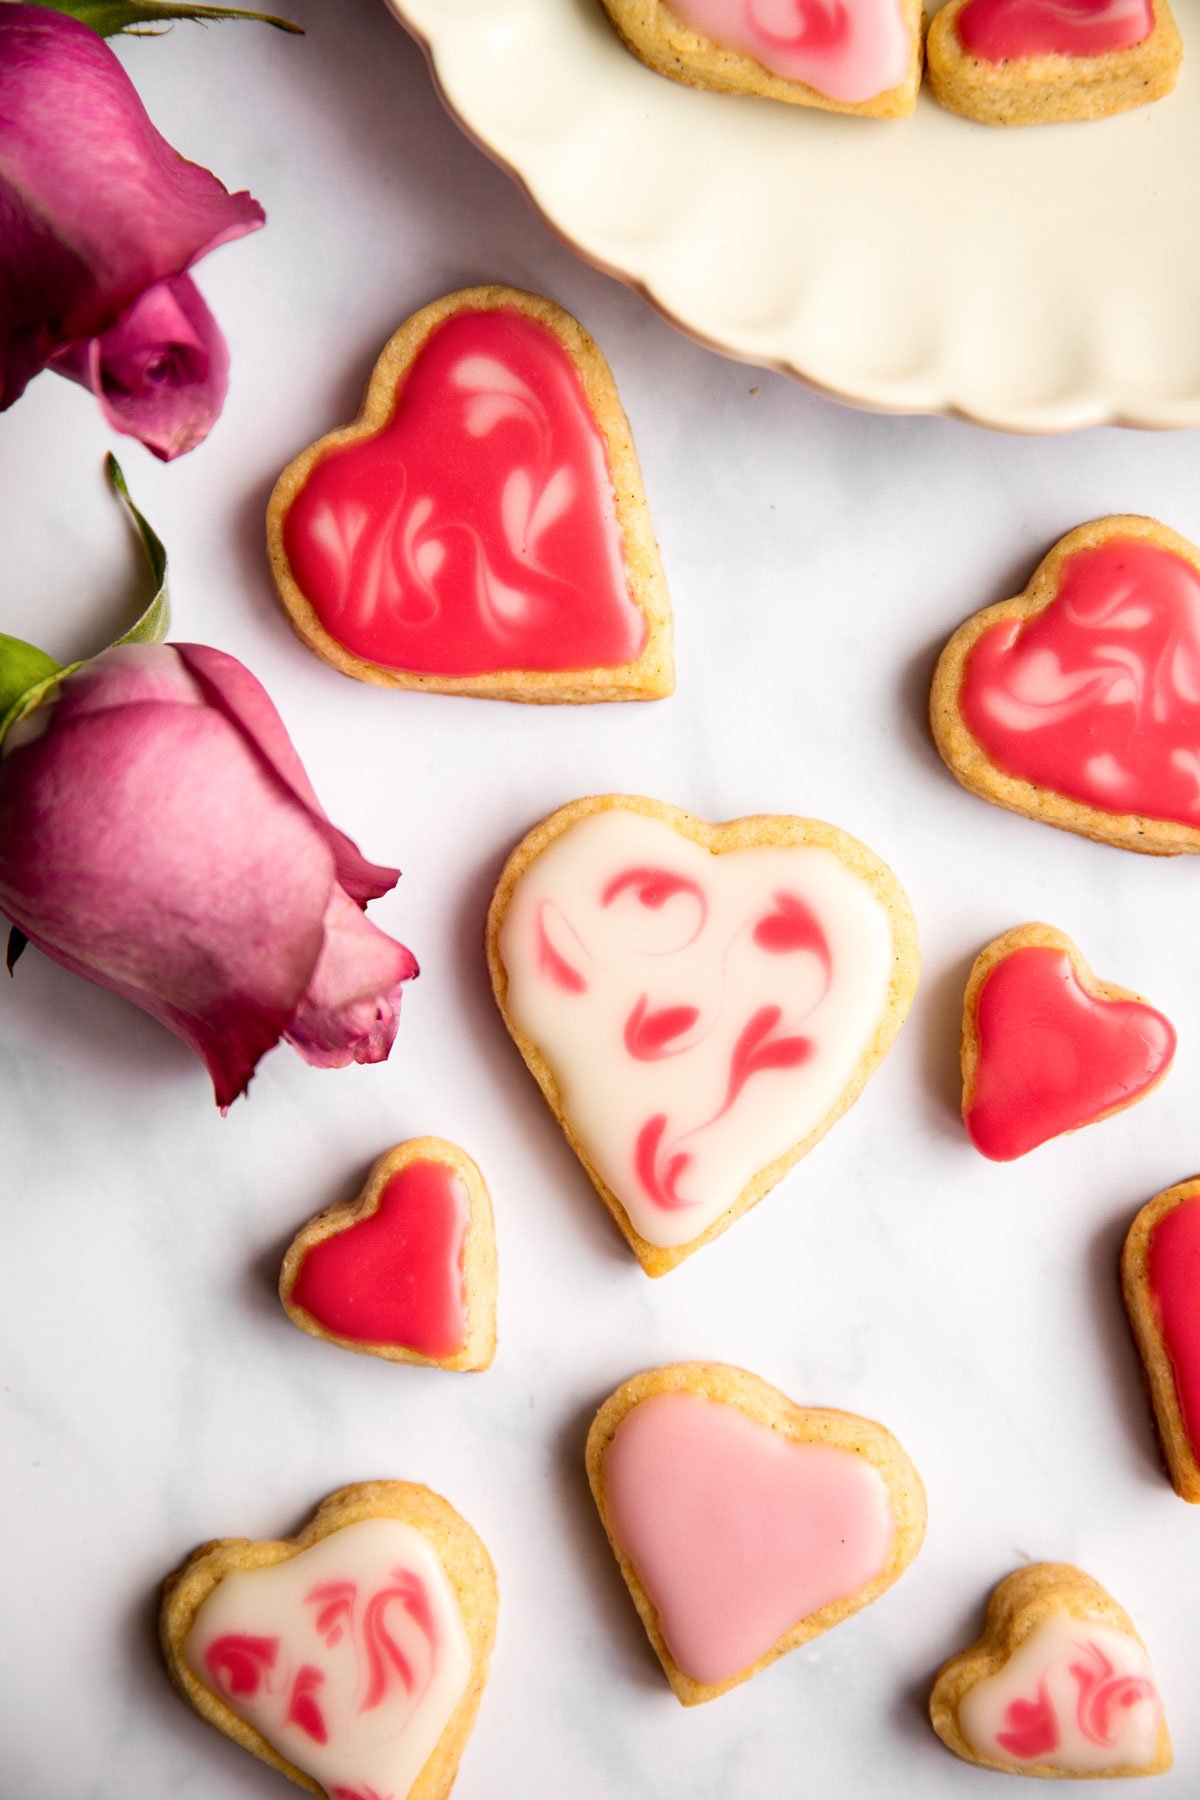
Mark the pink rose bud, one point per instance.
(158, 835)
(101, 221)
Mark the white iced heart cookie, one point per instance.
(698, 1002)
(1059, 1684)
(352, 1657)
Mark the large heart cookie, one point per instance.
(481, 527)
(848, 56)
(743, 1524)
(1078, 702)
(1038, 62)
(1059, 1684)
(406, 1271)
(1160, 1277)
(698, 1002)
(351, 1657)
(1046, 1048)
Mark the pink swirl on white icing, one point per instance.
(701, 1013)
(848, 50)
(1077, 1695)
(349, 1657)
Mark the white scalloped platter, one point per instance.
(1038, 279)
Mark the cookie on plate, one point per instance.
(481, 528)
(1078, 703)
(745, 1525)
(847, 56)
(406, 1271)
(1160, 1278)
(351, 1657)
(1043, 62)
(1059, 1684)
(698, 1003)
(1046, 1048)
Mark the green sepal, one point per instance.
(16, 943)
(144, 18)
(27, 674)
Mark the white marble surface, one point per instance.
(153, 1392)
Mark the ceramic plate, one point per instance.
(1037, 280)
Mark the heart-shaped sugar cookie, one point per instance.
(406, 1271)
(351, 1657)
(744, 1524)
(847, 56)
(1046, 1048)
(1059, 1684)
(699, 1003)
(1078, 703)
(481, 527)
(1160, 1278)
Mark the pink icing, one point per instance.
(1098, 695)
(1006, 30)
(848, 50)
(736, 1532)
(1030, 1726)
(477, 531)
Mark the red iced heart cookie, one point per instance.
(481, 528)
(1079, 702)
(1047, 1048)
(407, 1271)
(744, 1524)
(1160, 1276)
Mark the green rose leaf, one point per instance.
(155, 621)
(145, 18)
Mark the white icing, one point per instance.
(384, 1674)
(1078, 1686)
(633, 961)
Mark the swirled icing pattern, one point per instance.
(1007, 30)
(1098, 695)
(701, 1013)
(396, 1277)
(737, 1532)
(477, 531)
(1052, 1056)
(1077, 1695)
(848, 50)
(1173, 1271)
(349, 1657)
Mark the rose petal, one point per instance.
(351, 1008)
(160, 373)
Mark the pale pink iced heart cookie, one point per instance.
(481, 528)
(744, 1524)
(1059, 1684)
(1078, 702)
(848, 56)
(699, 1003)
(352, 1657)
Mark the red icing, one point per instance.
(477, 530)
(304, 1708)
(1052, 1056)
(1098, 695)
(1102, 1694)
(1031, 1727)
(240, 1663)
(649, 1036)
(1006, 30)
(397, 1276)
(1173, 1270)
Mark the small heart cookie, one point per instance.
(351, 1657)
(1059, 1684)
(744, 1524)
(698, 1003)
(1046, 1048)
(406, 1271)
(1160, 1278)
(481, 528)
(847, 56)
(1040, 62)
(1078, 703)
